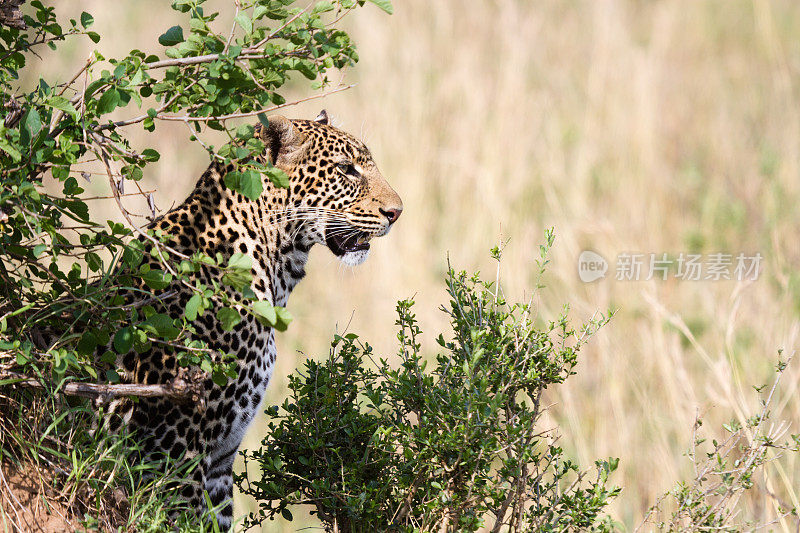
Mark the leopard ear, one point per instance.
(284, 141)
(322, 118)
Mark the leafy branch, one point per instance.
(201, 77)
(78, 294)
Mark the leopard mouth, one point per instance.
(341, 244)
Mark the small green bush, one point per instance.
(453, 444)
(726, 468)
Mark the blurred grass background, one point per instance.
(629, 126)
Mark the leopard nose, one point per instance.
(392, 213)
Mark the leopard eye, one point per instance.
(348, 168)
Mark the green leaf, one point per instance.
(32, 123)
(239, 280)
(123, 340)
(248, 183)
(87, 344)
(108, 357)
(10, 150)
(132, 172)
(92, 87)
(286, 514)
(94, 36)
(93, 261)
(59, 102)
(240, 277)
(259, 11)
(323, 7)
(228, 318)
(39, 249)
(86, 20)
(156, 279)
(182, 5)
(266, 311)
(386, 5)
(278, 177)
(234, 51)
(119, 71)
(141, 343)
(162, 325)
(80, 209)
(219, 378)
(243, 19)
(251, 185)
(133, 254)
(245, 131)
(108, 101)
(171, 37)
(240, 261)
(61, 172)
(150, 155)
(284, 318)
(192, 307)
(233, 180)
(276, 12)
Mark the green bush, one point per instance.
(454, 444)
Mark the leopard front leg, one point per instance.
(219, 485)
(211, 482)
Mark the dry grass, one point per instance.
(629, 126)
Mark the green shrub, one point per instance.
(454, 444)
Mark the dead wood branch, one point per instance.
(10, 14)
(182, 389)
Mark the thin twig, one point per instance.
(272, 35)
(141, 118)
(75, 77)
(258, 112)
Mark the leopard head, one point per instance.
(336, 193)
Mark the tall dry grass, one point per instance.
(628, 126)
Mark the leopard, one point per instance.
(337, 198)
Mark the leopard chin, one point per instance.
(354, 258)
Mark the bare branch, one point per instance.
(14, 113)
(10, 14)
(251, 52)
(142, 117)
(181, 389)
(258, 112)
(187, 118)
